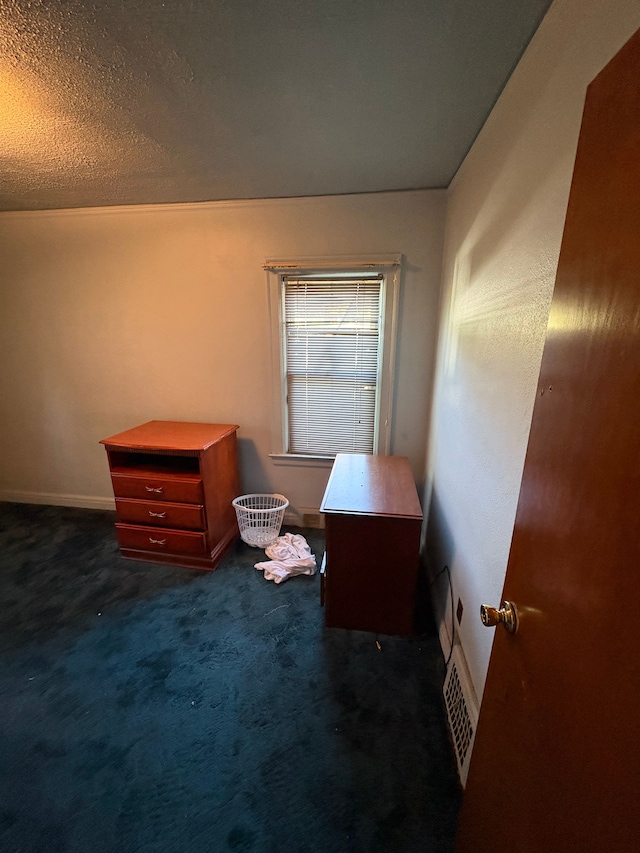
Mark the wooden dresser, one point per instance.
(173, 483)
(373, 520)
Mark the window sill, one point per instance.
(299, 460)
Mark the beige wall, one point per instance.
(111, 317)
(505, 217)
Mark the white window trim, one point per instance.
(390, 267)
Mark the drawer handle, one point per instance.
(157, 541)
(157, 514)
(151, 489)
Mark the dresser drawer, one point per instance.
(161, 540)
(161, 514)
(178, 488)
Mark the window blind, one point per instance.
(332, 345)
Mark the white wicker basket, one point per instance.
(260, 518)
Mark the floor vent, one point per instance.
(462, 713)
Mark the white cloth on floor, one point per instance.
(289, 555)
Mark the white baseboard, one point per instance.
(444, 635)
(51, 499)
(293, 517)
(303, 516)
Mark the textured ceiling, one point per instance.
(145, 101)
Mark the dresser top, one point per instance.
(170, 435)
(362, 484)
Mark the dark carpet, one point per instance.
(149, 708)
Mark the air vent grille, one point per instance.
(462, 715)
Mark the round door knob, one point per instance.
(506, 616)
(490, 615)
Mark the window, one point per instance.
(333, 335)
(331, 344)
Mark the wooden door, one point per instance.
(556, 764)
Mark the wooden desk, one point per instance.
(373, 520)
(173, 483)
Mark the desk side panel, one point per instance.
(372, 572)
